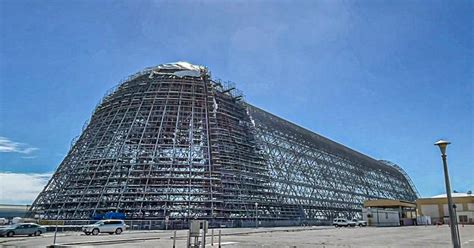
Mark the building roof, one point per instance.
(14, 206)
(387, 203)
(10, 210)
(453, 195)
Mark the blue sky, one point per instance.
(386, 78)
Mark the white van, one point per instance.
(105, 226)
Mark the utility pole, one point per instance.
(256, 215)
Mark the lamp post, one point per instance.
(442, 144)
(256, 215)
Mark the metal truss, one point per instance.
(319, 178)
(170, 142)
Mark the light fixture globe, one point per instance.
(442, 144)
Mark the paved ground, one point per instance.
(415, 236)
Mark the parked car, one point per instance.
(360, 222)
(339, 222)
(105, 226)
(3, 221)
(29, 229)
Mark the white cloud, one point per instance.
(29, 157)
(21, 188)
(7, 145)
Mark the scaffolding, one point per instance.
(172, 143)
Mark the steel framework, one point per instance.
(171, 142)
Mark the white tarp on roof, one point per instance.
(180, 69)
(187, 73)
(180, 65)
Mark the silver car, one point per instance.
(105, 226)
(339, 222)
(360, 222)
(29, 229)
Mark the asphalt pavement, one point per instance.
(288, 237)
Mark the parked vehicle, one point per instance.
(3, 221)
(360, 222)
(340, 222)
(29, 229)
(109, 216)
(17, 220)
(105, 226)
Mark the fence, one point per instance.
(75, 225)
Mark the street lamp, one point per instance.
(442, 144)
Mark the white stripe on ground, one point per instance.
(469, 241)
(223, 243)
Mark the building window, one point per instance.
(463, 218)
